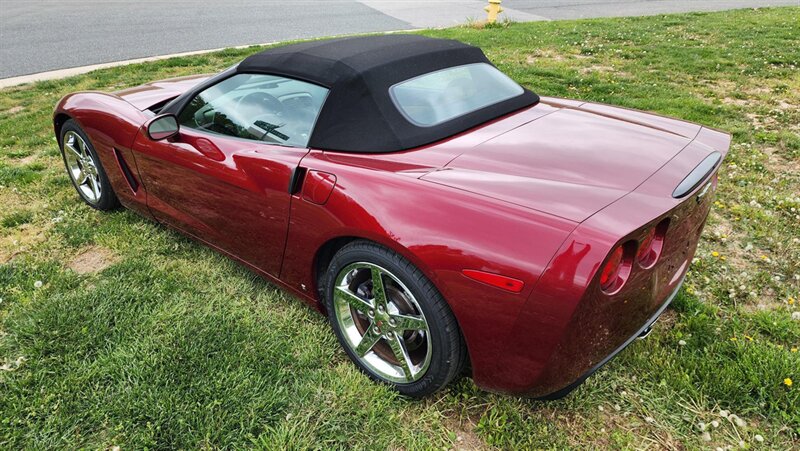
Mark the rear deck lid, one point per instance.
(569, 163)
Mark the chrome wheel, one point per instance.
(82, 167)
(382, 323)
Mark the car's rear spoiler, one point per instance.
(698, 174)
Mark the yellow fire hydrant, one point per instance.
(493, 9)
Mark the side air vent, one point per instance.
(126, 171)
(296, 180)
(698, 174)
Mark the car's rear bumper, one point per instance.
(641, 333)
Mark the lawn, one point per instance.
(115, 331)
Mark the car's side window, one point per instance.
(259, 107)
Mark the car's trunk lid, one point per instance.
(570, 163)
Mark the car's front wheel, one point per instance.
(391, 320)
(84, 168)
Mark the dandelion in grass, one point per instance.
(787, 382)
(737, 421)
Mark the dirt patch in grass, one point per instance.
(778, 164)
(25, 237)
(603, 69)
(14, 110)
(548, 54)
(737, 102)
(93, 259)
(466, 438)
(26, 160)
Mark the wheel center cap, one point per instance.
(381, 319)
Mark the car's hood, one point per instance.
(571, 162)
(157, 92)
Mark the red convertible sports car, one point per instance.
(445, 218)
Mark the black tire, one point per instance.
(107, 199)
(448, 350)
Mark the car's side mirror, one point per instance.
(162, 127)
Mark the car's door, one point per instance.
(224, 178)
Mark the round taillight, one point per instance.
(651, 245)
(646, 255)
(609, 277)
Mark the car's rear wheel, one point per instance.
(84, 168)
(391, 320)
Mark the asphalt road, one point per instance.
(38, 36)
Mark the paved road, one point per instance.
(37, 35)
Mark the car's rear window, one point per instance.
(440, 96)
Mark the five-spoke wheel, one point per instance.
(382, 322)
(84, 168)
(391, 320)
(81, 167)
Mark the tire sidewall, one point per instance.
(107, 199)
(442, 356)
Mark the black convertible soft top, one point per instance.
(359, 115)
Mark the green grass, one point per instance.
(159, 342)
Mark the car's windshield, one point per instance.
(259, 107)
(440, 96)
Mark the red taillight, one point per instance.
(645, 253)
(651, 244)
(610, 275)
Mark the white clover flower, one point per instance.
(706, 437)
(796, 316)
(724, 413)
(37, 284)
(682, 343)
(650, 419)
(759, 438)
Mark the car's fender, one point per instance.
(440, 230)
(112, 125)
